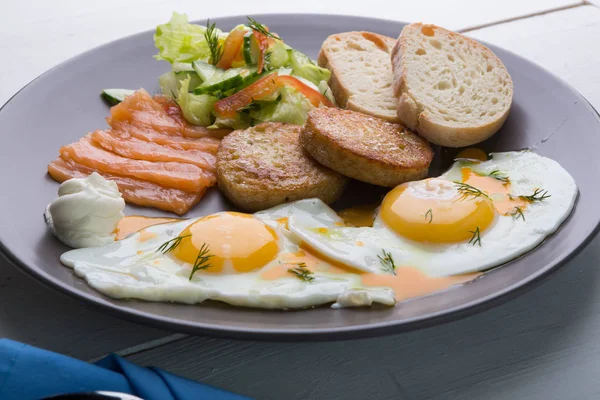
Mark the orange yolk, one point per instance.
(283, 221)
(433, 210)
(311, 260)
(235, 239)
(472, 153)
(409, 282)
(359, 216)
(498, 191)
(135, 223)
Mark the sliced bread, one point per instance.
(452, 90)
(361, 72)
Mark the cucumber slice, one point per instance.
(232, 78)
(205, 70)
(115, 96)
(252, 77)
(250, 49)
(277, 55)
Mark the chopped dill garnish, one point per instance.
(260, 28)
(201, 260)
(429, 214)
(467, 191)
(516, 213)
(302, 272)
(170, 245)
(387, 262)
(496, 174)
(476, 239)
(212, 39)
(538, 195)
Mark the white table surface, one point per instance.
(542, 345)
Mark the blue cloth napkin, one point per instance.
(29, 373)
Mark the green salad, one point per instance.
(240, 78)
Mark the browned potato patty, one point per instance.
(265, 165)
(365, 148)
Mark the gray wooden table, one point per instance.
(543, 345)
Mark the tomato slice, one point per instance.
(231, 48)
(311, 94)
(264, 87)
(263, 45)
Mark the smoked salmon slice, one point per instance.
(178, 142)
(135, 191)
(178, 175)
(137, 149)
(140, 110)
(158, 114)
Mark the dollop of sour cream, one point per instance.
(86, 211)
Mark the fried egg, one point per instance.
(251, 263)
(473, 217)
(426, 236)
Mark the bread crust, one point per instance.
(365, 148)
(342, 87)
(417, 117)
(265, 165)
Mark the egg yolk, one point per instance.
(233, 239)
(434, 210)
(359, 215)
(473, 154)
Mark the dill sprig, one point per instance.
(170, 245)
(467, 190)
(496, 174)
(476, 238)
(429, 214)
(202, 260)
(387, 262)
(212, 39)
(538, 195)
(260, 28)
(302, 272)
(516, 213)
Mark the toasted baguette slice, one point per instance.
(365, 148)
(452, 90)
(361, 72)
(265, 165)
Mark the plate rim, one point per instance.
(298, 334)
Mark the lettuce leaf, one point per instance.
(304, 67)
(180, 41)
(292, 108)
(197, 109)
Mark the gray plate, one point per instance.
(63, 104)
